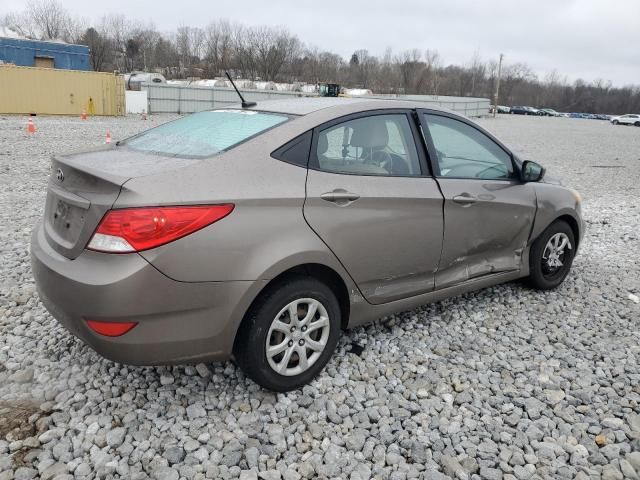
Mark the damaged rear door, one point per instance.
(371, 200)
(488, 211)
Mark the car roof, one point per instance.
(341, 105)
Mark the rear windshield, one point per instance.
(205, 133)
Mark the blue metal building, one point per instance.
(36, 53)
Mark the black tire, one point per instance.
(250, 349)
(541, 276)
(637, 124)
(615, 122)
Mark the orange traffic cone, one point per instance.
(84, 115)
(108, 139)
(31, 127)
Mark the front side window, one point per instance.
(465, 152)
(374, 145)
(205, 133)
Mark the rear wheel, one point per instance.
(637, 124)
(551, 256)
(289, 334)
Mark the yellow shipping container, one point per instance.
(47, 91)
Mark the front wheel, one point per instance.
(615, 122)
(289, 334)
(551, 256)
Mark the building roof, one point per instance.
(57, 45)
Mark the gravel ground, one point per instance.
(502, 383)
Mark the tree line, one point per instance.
(269, 53)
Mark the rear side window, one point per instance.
(295, 151)
(373, 145)
(205, 133)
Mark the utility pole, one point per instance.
(495, 98)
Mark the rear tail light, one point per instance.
(110, 329)
(136, 229)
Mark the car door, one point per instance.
(488, 211)
(371, 200)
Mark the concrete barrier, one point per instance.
(136, 101)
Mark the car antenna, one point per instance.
(245, 104)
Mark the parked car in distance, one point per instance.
(549, 112)
(262, 232)
(498, 109)
(522, 110)
(629, 119)
(600, 116)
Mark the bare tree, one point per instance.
(118, 28)
(218, 46)
(189, 42)
(513, 76)
(244, 52)
(410, 66)
(433, 66)
(100, 48)
(44, 20)
(272, 49)
(362, 66)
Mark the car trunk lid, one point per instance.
(83, 187)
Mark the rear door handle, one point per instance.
(465, 199)
(340, 196)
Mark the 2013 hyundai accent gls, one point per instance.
(261, 233)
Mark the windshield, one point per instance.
(205, 133)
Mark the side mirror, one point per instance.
(531, 171)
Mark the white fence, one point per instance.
(164, 98)
(180, 99)
(468, 106)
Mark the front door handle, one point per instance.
(465, 199)
(340, 196)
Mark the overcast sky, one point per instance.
(587, 39)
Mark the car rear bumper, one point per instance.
(177, 322)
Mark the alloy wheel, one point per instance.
(555, 253)
(297, 336)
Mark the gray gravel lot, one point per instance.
(502, 383)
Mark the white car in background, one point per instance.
(630, 119)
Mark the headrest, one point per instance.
(369, 133)
(323, 144)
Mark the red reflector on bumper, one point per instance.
(110, 329)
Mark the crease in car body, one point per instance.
(417, 119)
(396, 286)
(356, 294)
(402, 242)
(360, 294)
